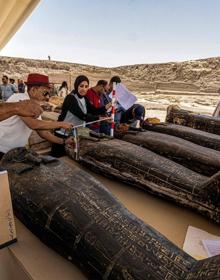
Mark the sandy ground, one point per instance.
(156, 104)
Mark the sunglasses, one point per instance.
(45, 94)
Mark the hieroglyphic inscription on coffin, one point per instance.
(205, 269)
(87, 222)
(130, 238)
(148, 174)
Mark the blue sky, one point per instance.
(119, 32)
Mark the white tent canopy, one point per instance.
(12, 14)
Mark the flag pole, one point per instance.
(113, 110)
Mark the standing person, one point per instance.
(134, 114)
(63, 90)
(13, 84)
(6, 89)
(15, 131)
(21, 86)
(77, 109)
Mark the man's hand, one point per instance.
(108, 105)
(66, 125)
(28, 108)
(70, 142)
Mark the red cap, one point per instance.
(37, 79)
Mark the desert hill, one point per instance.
(194, 75)
(193, 83)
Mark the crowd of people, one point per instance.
(21, 111)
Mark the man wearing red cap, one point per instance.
(15, 131)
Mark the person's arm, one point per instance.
(71, 104)
(47, 135)
(14, 88)
(97, 111)
(36, 124)
(8, 110)
(25, 108)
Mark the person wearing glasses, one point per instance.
(16, 130)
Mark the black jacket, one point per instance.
(71, 104)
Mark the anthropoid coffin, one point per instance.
(195, 157)
(74, 214)
(153, 173)
(179, 116)
(196, 136)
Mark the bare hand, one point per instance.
(70, 142)
(29, 108)
(107, 106)
(66, 126)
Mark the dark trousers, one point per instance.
(136, 112)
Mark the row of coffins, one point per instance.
(74, 214)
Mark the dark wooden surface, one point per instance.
(153, 173)
(195, 157)
(196, 136)
(179, 116)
